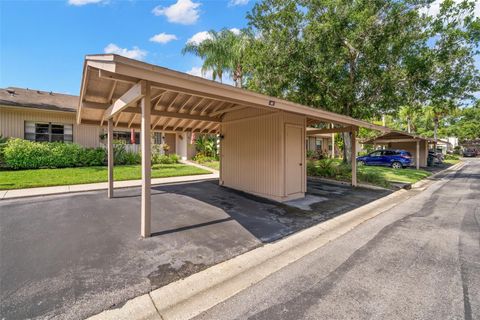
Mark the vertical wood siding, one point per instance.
(252, 151)
(12, 124)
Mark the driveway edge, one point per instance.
(187, 298)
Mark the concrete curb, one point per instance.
(425, 182)
(344, 183)
(48, 191)
(199, 292)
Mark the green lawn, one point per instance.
(380, 176)
(67, 176)
(395, 175)
(211, 164)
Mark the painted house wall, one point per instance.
(252, 152)
(12, 124)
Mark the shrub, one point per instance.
(131, 158)
(167, 159)
(202, 158)
(326, 168)
(3, 144)
(452, 157)
(23, 154)
(311, 168)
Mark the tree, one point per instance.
(344, 56)
(222, 51)
(451, 76)
(467, 125)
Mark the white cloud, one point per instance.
(235, 30)
(238, 2)
(199, 37)
(183, 12)
(134, 53)
(163, 38)
(79, 3)
(197, 71)
(434, 8)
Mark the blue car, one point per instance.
(390, 158)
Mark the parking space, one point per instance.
(75, 255)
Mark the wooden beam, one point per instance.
(156, 123)
(131, 120)
(96, 99)
(354, 158)
(179, 123)
(417, 156)
(117, 120)
(134, 94)
(146, 206)
(94, 105)
(116, 77)
(184, 104)
(112, 91)
(170, 103)
(110, 157)
(233, 108)
(206, 107)
(393, 140)
(331, 130)
(196, 105)
(175, 115)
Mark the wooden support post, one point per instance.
(333, 143)
(354, 158)
(146, 164)
(110, 157)
(417, 155)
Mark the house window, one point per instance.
(48, 132)
(157, 138)
(318, 143)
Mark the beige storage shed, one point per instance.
(262, 139)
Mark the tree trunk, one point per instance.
(409, 126)
(435, 128)
(347, 142)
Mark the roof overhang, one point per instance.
(398, 136)
(180, 102)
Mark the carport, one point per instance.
(262, 139)
(415, 144)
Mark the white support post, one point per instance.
(110, 157)
(417, 156)
(333, 143)
(354, 158)
(146, 214)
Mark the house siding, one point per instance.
(12, 124)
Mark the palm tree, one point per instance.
(223, 51)
(409, 114)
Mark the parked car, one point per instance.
(390, 158)
(469, 153)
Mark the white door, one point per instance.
(294, 170)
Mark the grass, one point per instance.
(211, 164)
(395, 175)
(452, 161)
(20, 179)
(380, 176)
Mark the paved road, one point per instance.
(419, 260)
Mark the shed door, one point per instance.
(293, 159)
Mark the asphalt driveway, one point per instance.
(71, 256)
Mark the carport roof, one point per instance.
(399, 136)
(179, 101)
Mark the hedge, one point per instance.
(24, 154)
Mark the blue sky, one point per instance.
(43, 43)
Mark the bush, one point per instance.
(202, 158)
(23, 154)
(452, 157)
(166, 159)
